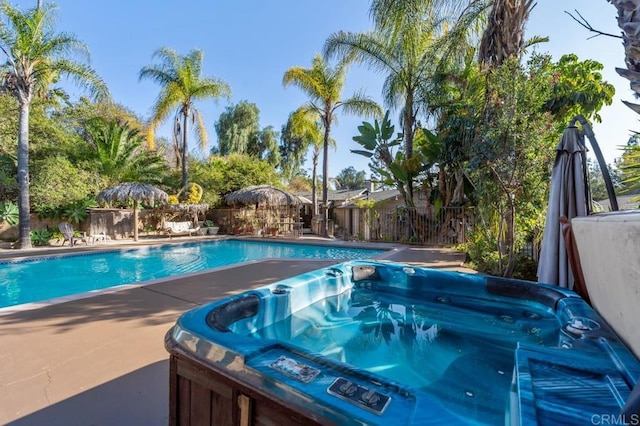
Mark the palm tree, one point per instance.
(504, 35)
(181, 85)
(121, 153)
(34, 53)
(305, 125)
(411, 44)
(323, 85)
(629, 23)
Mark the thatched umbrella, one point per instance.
(262, 195)
(138, 192)
(265, 197)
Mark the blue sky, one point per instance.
(250, 44)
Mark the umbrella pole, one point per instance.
(604, 169)
(135, 220)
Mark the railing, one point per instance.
(261, 222)
(430, 226)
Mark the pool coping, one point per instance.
(388, 251)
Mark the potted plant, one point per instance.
(211, 227)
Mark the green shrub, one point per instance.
(9, 212)
(40, 237)
(76, 212)
(47, 212)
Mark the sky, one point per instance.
(250, 45)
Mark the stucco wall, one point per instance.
(609, 248)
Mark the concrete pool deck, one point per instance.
(101, 360)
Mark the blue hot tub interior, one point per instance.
(374, 343)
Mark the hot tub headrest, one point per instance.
(523, 290)
(224, 315)
(365, 272)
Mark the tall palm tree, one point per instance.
(323, 85)
(182, 83)
(412, 41)
(504, 35)
(304, 124)
(629, 23)
(34, 52)
(402, 15)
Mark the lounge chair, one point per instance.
(68, 233)
(180, 228)
(101, 237)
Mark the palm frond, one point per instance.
(359, 104)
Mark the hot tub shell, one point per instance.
(220, 377)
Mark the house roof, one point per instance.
(377, 196)
(346, 198)
(338, 196)
(624, 203)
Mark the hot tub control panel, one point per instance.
(368, 399)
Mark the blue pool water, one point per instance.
(40, 279)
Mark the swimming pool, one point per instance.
(38, 279)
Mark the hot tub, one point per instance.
(390, 344)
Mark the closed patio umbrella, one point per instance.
(138, 192)
(570, 197)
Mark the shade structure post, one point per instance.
(135, 220)
(136, 192)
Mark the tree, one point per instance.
(58, 183)
(239, 132)
(381, 144)
(349, 178)
(306, 126)
(292, 151)
(34, 52)
(504, 34)
(121, 154)
(299, 184)
(236, 126)
(628, 21)
(411, 42)
(578, 88)
(323, 85)
(514, 156)
(222, 175)
(181, 85)
(629, 166)
(75, 116)
(265, 146)
(596, 181)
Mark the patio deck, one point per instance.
(101, 360)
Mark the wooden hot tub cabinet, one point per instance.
(198, 395)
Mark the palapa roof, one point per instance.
(262, 195)
(141, 192)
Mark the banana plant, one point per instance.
(379, 142)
